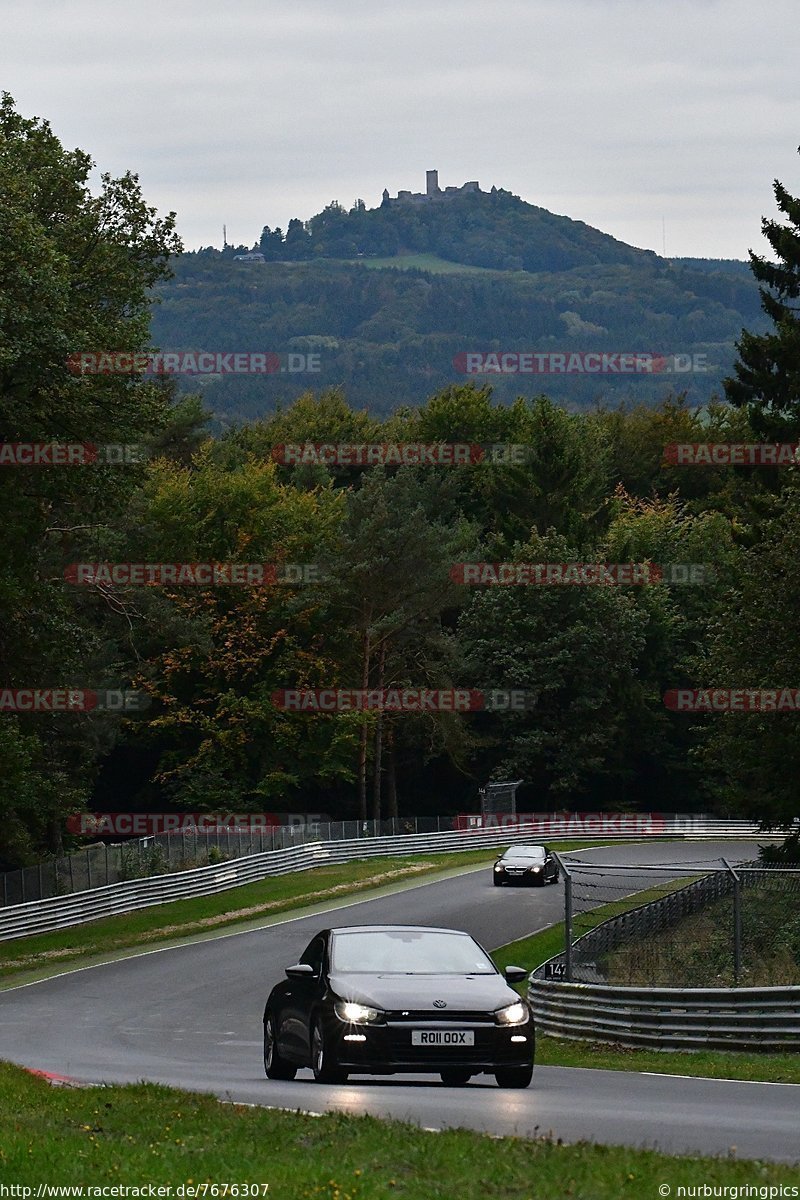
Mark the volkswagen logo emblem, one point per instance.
(440, 1004)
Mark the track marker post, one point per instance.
(567, 918)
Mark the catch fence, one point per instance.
(686, 924)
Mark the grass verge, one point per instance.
(698, 950)
(253, 903)
(711, 1064)
(147, 1134)
(532, 951)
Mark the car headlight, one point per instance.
(355, 1014)
(498, 867)
(535, 868)
(513, 1014)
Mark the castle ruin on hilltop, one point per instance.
(432, 191)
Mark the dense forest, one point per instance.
(382, 607)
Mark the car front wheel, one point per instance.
(275, 1066)
(514, 1077)
(323, 1062)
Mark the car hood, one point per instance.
(513, 860)
(484, 992)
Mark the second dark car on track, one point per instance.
(385, 999)
(526, 864)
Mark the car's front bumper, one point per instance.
(523, 877)
(387, 1048)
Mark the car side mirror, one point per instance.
(301, 971)
(515, 974)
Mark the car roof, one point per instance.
(527, 846)
(395, 929)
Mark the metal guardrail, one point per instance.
(760, 1019)
(59, 912)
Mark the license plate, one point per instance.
(442, 1037)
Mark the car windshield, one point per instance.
(409, 952)
(525, 852)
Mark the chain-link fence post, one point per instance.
(737, 923)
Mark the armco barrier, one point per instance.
(58, 912)
(760, 1019)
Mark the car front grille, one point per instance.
(435, 1016)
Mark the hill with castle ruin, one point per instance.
(387, 300)
(494, 230)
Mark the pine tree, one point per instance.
(767, 375)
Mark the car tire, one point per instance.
(275, 1066)
(514, 1077)
(453, 1077)
(323, 1062)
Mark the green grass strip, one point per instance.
(145, 1134)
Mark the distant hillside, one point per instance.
(490, 273)
(731, 266)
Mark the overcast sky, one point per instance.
(620, 113)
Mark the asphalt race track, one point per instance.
(191, 1016)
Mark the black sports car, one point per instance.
(526, 864)
(384, 999)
